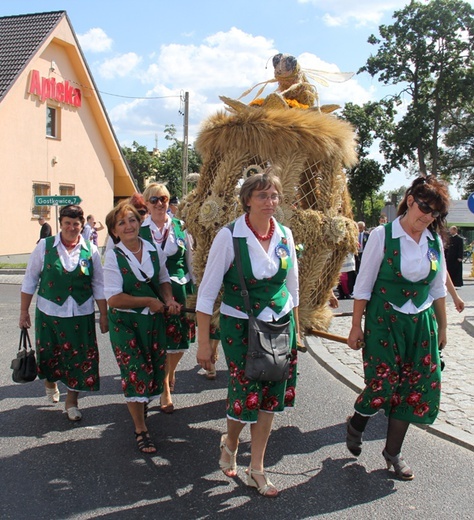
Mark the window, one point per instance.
(67, 189)
(52, 121)
(41, 188)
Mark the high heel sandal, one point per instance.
(144, 442)
(401, 468)
(53, 394)
(265, 488)
(353, 439)
(231, 465)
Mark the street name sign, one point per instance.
(57, 200)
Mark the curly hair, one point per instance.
(435, 193)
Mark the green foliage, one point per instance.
(170, 164)
(372, 121)
(429, 53)
(141, 162)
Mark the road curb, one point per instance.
(356, 383)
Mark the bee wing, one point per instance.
(323, 77)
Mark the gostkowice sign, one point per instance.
(49, 88)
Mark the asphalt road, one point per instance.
(54, 469)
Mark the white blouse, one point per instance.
(113, 277)
(69, 261)
(171, 246)
(264, 265)
(415, 265)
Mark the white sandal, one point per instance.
(53, 394)
(73, 413)
(263, 490)
(232, 464)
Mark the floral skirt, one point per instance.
(244, 397)
(67, 350)
(180, 329)
(138, 342)
(401, 364)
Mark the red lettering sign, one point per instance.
(48, 88)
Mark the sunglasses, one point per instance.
(426, 209)
(142, 212)
(163, 199)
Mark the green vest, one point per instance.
(176, 264)
(269, 292)
(56, 284)
(391, 286)
(131, 284)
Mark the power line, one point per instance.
(110, 93)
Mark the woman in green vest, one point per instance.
(68, 270)
(270, 268)
(138, 291)
(401, 286)
(167, 233)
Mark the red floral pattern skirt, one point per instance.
(138, 342)
(244, 397)
(180, 329)
(67, 350)
(401, 364)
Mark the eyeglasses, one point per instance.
(163, 199)
(274, 197)
(426, 209)
(142, 211)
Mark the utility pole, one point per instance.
(185, 145)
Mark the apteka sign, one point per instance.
(49, 88)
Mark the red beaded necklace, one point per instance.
(262, 238)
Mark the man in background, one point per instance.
(90, 231)
(363, 237)
(173, 206)
(454, 255)
(45, 230)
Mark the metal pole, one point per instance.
(185, 144)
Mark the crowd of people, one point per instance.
(399, 317)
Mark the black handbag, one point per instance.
(24, 364)
(268, 354)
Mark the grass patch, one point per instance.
(12, 266)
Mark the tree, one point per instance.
(457, 159)
(372, 121)
(142, 163)
(429, 52)
(170, 164)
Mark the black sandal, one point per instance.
(144, 442)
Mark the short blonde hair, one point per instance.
(155, 188)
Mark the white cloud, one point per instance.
(95, 40)
(363, 12)
(225, 63)
(121, 65)
(223, 60)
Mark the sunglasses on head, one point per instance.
(163, 199)
(426, 209)
(142, 212)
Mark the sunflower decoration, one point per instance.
(209, 212)
(251, 170)
(335, 229)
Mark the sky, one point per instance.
(145, 54)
